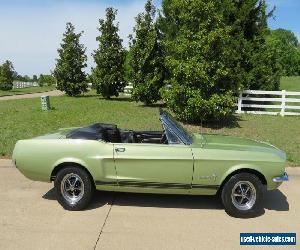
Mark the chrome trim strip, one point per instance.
(143, 184)
(285, 177)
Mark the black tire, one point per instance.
(232, 194)
(83, 183)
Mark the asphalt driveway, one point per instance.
(30, 218)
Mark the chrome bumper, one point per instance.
(282, 178)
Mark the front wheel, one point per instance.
(74, 188)
(242, 195)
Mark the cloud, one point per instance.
(31, 34)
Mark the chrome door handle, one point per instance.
(120, 150)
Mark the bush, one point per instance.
(189, 104)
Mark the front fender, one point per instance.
(267, 170)
(239, 167)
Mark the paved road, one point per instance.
(30, 218)
(34, 95)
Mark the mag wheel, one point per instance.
(74, 188)
(242, 195)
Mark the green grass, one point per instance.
(290, 83)
(22, 119)
(26, 90)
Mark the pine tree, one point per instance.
(72, 60)
(6, 75)
(259, 59)
(108, 76)
(146, 58)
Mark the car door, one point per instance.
(154, 166)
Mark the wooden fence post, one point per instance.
(240, 103)
(283, 102)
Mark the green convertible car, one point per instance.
(172, 161)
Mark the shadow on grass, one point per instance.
(274, 200)
(154, 105)
(231, 122)
(87, 96)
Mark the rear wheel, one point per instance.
(242, 195)
(74, 188)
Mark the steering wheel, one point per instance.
(164, 139)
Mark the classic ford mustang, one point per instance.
(172, 161)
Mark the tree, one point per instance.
(146, 58)
(213, 49)
(287, 37)
(108, 75)
(34, 78)
(6, 75)
(287, 46)
(201, 58)
(72, 60)
(46, 80)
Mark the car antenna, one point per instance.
(201, 129)
(201, 132)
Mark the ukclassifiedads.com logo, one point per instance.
(267, 238)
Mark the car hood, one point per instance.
(225, 142)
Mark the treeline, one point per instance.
(42, 79)
(8, 75)
(288, 48)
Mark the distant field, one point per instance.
(290, 83)
(22, 119)
(26, 90)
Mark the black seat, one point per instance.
(97, 131)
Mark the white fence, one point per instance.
(128, 89)
(21, 85)
(280, 102)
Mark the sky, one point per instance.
(31, 30)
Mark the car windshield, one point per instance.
(175, 127)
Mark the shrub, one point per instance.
(189, 105)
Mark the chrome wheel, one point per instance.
(72, 188)
(243, 195)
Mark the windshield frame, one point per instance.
(175, 128)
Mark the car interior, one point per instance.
(111, 133)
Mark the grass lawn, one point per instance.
(21, 119)
(26, 90)
(290, 83)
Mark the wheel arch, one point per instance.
(62, 165)
(256, 172)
